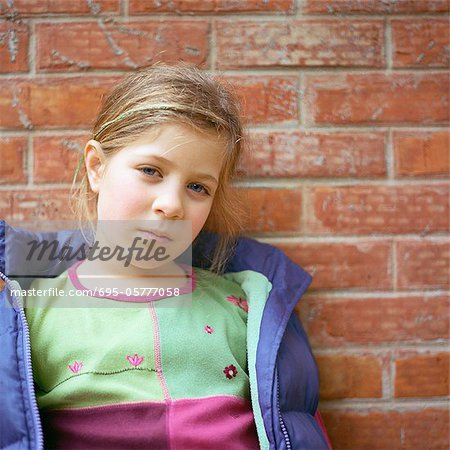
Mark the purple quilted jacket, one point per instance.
(286, 373)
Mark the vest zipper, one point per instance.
(39, 438)
(280, 419)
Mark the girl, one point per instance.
(155, 352)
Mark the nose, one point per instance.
(168, 203)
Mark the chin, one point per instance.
(150, 265)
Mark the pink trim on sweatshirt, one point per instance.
(187, 288)
(157, 352)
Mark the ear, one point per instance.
(95, 163)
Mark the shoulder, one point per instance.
(220, 288)
(207, 279)
(231, 278)
(43, 291)
(43, 283)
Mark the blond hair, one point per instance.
(161, 94)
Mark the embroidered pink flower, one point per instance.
(230, 371)
(76, 367)
(238, 301)
(208, 329)
(135, 360)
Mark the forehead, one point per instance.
(178, 147)
(170, 137)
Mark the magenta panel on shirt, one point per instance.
(186, 424)
(113, 427)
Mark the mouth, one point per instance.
(155, 235)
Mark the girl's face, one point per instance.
(170, 176)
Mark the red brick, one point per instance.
(267, 99)
(13, 47)
(39, 7)
(5, 205)
(374, 6)
(349, 376)
(340, 321)
(423, 264)
(339, 265)
(56, 158)
(377, 98)
(422, 375)
(43, 102)
(273, 209)
(422, 153)
(210, 6)
(49, 102)
(299, 43)
(42, 205)
(421, 43)
(378, 209)
(314, 154)
(110, 44)
(13, 152)
(427, 428)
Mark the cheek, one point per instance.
(120, 201)
(199, 218)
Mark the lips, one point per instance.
(156, 235)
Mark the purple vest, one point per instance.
(287, 375)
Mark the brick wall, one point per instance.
(347, 106)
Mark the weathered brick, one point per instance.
(421, 153)
(340, 265)
(350, 376)
(274, 210)
(314, 154)
(6, 205)
(423, 264)
(340, 321)
(378, 209)
(267, 99)
(210, 6)
(299, 43)
(111, 44)
(13, 152)
(420, 43)
(19, 8)
(427, 428)
(14, 39)
(56, 157)
(357, 264)
(42, 205)
(45, 102)
(377, 98)
(374, 6)
(49, 102)
(422, 375)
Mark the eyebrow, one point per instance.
(204, 176)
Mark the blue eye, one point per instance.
(151, 172)
(146, 170)
(202, 188)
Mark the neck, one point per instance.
(97, 274)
